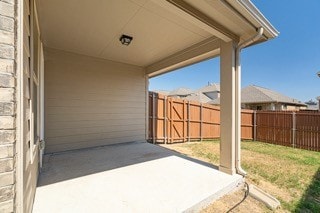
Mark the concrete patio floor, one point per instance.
(132, 177)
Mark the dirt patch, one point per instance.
(228, 201)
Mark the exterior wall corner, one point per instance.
(8, 104)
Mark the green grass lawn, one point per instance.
(291, 175)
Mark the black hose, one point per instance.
(243, 199)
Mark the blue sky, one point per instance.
(287, 64)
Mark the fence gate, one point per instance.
(177, 117)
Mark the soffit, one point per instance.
(219, 11)
(93, 28)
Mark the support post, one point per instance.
(153, 119)
(185, 122)
(201, 122)
(293, 129)
(188, 121)
(228, 107)
(171, 121)
(254, 125)
(165, 119)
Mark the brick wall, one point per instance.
(7, 105)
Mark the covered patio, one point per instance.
(129, 177)
(84, 101)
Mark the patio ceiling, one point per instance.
(166, 34)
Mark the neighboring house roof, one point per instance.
(199, 97)
(249, 95)
(162, 92)
(180, 92)
(215, 101)
(212, 87)
(187, 93)
(256, 94)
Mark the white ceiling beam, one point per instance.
(198, 18)
(208, 48)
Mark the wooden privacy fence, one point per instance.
(295, 129)
(177, 120)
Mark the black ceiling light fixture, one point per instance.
(125, 39)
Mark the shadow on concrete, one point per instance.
(77, 163)
(310, 202)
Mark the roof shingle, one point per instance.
(256, 94)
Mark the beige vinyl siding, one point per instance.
(91, 102)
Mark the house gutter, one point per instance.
(238, 98)
(259, 17)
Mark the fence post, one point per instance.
(254, 125)
(153, 119)
(185, 122)
(188, 121)
(165, 119)
(171, 120)
(201, 122)
(293, 129)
